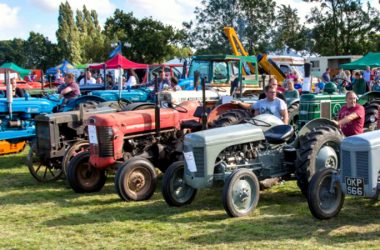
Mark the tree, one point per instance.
(40, 52)
(68, 34)
(151, 41)
(344, 27)
(252, 19)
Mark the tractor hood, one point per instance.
(241, 133)
(28, 105)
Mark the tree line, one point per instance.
(337, 27)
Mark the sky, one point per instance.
(19, 17)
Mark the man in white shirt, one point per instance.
(88, 79)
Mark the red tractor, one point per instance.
(134, 143)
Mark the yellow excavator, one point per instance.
(264, 62)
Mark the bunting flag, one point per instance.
(116, 51)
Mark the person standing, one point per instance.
(351, 116)
(270, 105)
(367, 77)
(88, 79)
(291, 92)
(132, 79)
(326, 76)
(70, 89)
(163, 82)
(358, 84)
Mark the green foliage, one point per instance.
(151, 41)
(12, 50)
(252, 19)
(344, 27)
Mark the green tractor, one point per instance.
(328, 104)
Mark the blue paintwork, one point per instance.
(135, 95)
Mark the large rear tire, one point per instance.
(84, 178)
(174, 188)
(231, 117)
(136, 180)
(323, 202)
(318, 150)
(241, 193)
(371, 115)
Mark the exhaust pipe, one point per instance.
(9, 93)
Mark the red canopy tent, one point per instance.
(119, 61)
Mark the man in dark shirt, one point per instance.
(17, 92)
(69, 90)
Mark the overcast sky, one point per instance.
(19, 17)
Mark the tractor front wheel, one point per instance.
(241, 193)
(84, 178)
(42, 172)
(73, 150)
(136, 180)
(325, 198)
(174, 188)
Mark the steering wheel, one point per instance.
(259, 123)
(179, 108)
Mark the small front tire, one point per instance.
(241, 193)
(174, 188)
(323, 203)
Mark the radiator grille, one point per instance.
(199, 161)
(362, 165)
(105, 139)
(346, 162)
(43, 135)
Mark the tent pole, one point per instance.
(120, 82)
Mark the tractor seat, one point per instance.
(279, 134)
(191, 124)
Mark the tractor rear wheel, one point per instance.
(231, 117)
(76, 148)
(318, 150)
(42, 172)
(325, 199)
(293, 112)
(84, 178)
(241, 193)
(174, 188)
(136, 180)
(371, 115)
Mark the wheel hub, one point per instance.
(243, 191)
(326, 158)
(137, 181)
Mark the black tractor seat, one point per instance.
(192, 124)
(279, 134)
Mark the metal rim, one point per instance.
(326, 158)
(138, 180)
(180, 191)
(87, 175)
(243, 194)
(40, 171)
(328, 201)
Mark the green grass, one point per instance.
(52, 216)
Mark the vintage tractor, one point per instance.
(327, 105)
(137, 140)
(244, 154)
(359, 175)
(60, 136)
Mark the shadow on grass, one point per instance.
(13, 161)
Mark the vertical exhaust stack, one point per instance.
(204, 108)
(157, 123)
(306, 86)
(9, 93)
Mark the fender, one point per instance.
(369, 96)
(319, 122)
(291, 101)
(218, 110)
(72, 104)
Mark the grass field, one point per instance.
(52, 216)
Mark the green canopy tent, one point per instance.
(15, 67)
(372, 59)
(81, 66)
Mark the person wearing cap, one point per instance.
(351, 116)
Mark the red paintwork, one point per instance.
(134, 122)
(220, 110)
